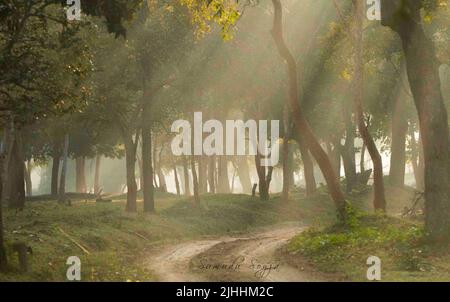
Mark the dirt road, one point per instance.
(251, 257)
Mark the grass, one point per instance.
(399, 243)
(118, 242)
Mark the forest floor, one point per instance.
(229, 237)
(115, 246)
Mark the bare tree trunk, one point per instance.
(130, 163)
(55, 167)
(398, 144)
(244, 174)
(62, 180)
(195, 182)
(162, 179)
(348, 151)
(286, 164)
(223, 185)
(3, 257)
(300, 121)
(308, 169)
(417, 161)
(177, 183)
(202, 181)
(263, 186)
(148, 189)
(28, 184)
(98, 159)
(211, 174)
(362, 159)
(156, 184)
(80, 163)
(187, 190)
(405, 18)
(16, 169)
(379, 201)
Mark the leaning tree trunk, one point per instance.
(300, 121)
(404, 17)
(262, 184)
(62, 180)
(379, 201)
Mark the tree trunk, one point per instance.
(148, 189)
(130, 163)
(202, 181)
(398, 144)
(300, 121)
(379, 201)
(55, 168)
(3, 257)
(417, 161)
(308, 169)
(156, 184)
(223, 185)
(98, 159)
(362, 159)
(263, 186)
(286, 164)
(195, 182)
(28, 182)
(177, 183)
(211, 174)
(244, 174)
(80, 167)
(348, 152)
(16, 169)
(162, 179)
(62, 180)
(404, 17)
(187, 190)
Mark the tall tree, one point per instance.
(379, 200)
(404, 17)
(299, 120)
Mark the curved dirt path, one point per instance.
(251, 257)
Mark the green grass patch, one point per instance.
(400, 244)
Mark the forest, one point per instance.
(224, 140)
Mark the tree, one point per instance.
(300, 121)
(379, 201)
(404, 17)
